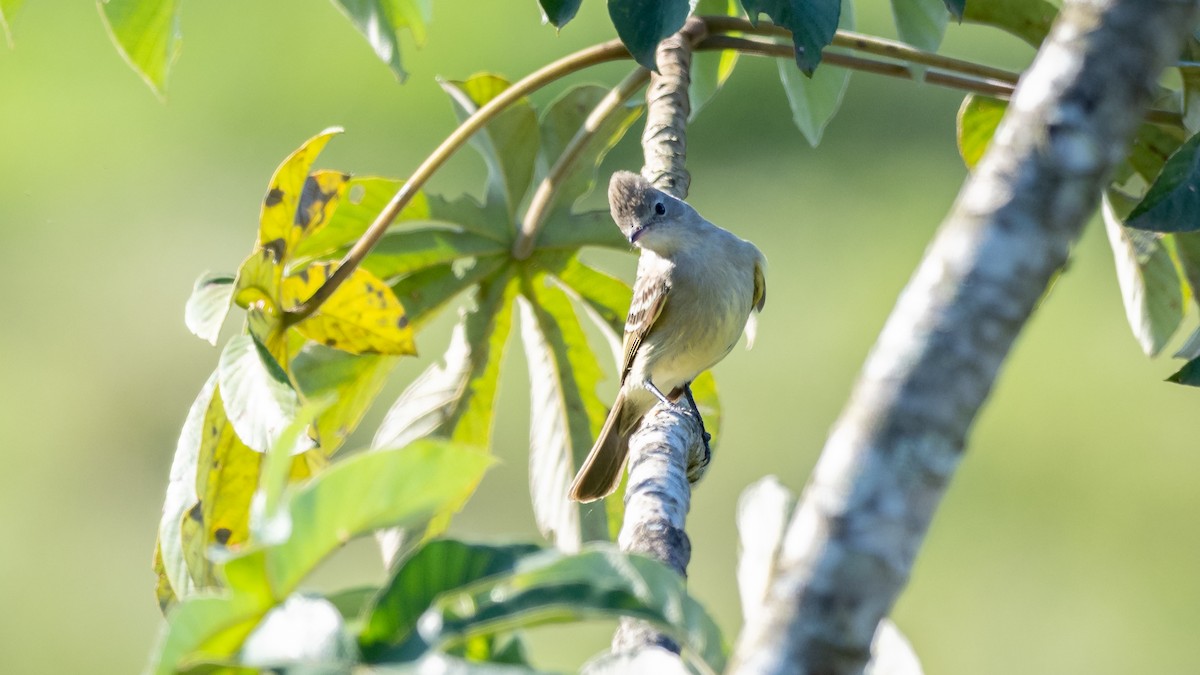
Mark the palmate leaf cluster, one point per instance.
(256, 498)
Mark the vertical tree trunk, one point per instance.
(853, 537)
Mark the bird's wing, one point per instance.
(649, 297)
(760, 288)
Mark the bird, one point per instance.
(696, 287)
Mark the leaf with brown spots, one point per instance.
(362, 317)
(294, 200)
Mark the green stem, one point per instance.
(547, 190)
(612, 50)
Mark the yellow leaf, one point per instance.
(162, 585)
(257, 291)
(283, 222)
(362, 316)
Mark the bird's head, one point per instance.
(648, 217)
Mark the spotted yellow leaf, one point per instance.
(296, 202)
(362, 316)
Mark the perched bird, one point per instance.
(696, 286)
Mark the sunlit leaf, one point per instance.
(704, 391)
(921, 23)
(710, 69)
(554, 588)
(608, 296)
(508, 143)
(8, 9)
(382, 21)
(181, 493)
(354, 497)
(258, 397)
(812, 23)
(642, 24)
(362, 316)
(352, 382)
(364, 198)
(1150, 284)
(208, 305)
(1172, 204)
(455, 399)
(353, 602)
(295, 201)
(146, 32)
(763, 512)
(438, 567)
(566, 413)
(427, 292)
(559, 12)
(564, 118)
(891, 653)
(269, 521)
(404, 252)
(163, 592)
(816, 98)
(1027, 19)
(978, 117)
(305, 632)
(203, 628)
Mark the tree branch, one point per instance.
(853, 537)
(658, 495)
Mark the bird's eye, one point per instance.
(660, 208)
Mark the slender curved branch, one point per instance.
(547, 190)
(612, 50)
(889, 458)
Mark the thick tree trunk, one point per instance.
(853, 537)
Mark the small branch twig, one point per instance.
(889, 458)
(612, 50)
(547, 190)
(658, 495)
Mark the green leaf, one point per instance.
(559, 12)
(270, 522)
(812, 23)
(181, 493)
(208, 305)
(554, 588)
(365, 198)
(437, 567)
(1029, 20)
(202, 629)
(147, 34)
(1189, 374)
(642, 24)
(353, 603)
(404, 252)
(606, 295)
(956, 8)
(570, 231)
(425, 293)
(367, 492)
(710, 69)
(1151, 147)
(1190, 79)
(1172, 204)
(508, 143)
(258, 397)
(978, 118)
(763, 512)
(560, 123)
(922, 23)
(1150, 284)
(455, 400)
(8, 9)
(296, 202)
(566, 413)
(382, 22)
(815, 99)
(704, 392)
(352, 382)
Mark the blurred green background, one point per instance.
(1066, 543)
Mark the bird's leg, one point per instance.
(662, 397)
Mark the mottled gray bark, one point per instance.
(853, 536)
(658, 495)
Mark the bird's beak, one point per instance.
(635, 233)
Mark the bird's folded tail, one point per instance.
(601, 471)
